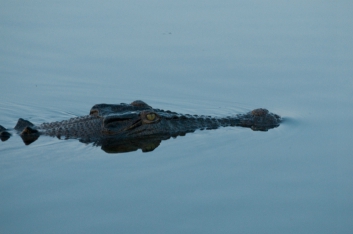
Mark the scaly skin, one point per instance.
(132, 125)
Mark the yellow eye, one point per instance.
(151, 116)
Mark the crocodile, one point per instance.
(128, 127)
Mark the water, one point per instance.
(197, 57)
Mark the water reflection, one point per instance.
(147, 144)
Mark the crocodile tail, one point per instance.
(27, 130)
(2, 129)
(22, 124)
(4, 135)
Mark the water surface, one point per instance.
(197, 57)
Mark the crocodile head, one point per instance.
(128, 122)
(125, 119)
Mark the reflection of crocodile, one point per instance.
(128, 127)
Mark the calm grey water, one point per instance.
(218, 58)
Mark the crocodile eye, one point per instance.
(151, 116)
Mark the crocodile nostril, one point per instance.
(259, 112)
